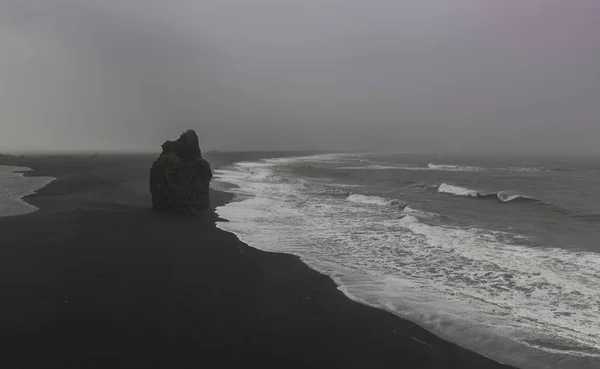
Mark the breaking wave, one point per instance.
(419, 185)
(454, 168)
(458, 191)
(438, 167)
(465, 168)
(503, 196)
(506, 196)
(374, 200)
(408, 211)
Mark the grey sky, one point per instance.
(395, 75)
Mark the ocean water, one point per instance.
(14, 186)
(498, 254)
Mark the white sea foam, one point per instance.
(373, 200)
(470, 285)
(548, 286)
(14, 186)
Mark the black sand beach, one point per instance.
(94, 279)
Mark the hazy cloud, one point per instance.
(400, 75)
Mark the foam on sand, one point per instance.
(14, 186)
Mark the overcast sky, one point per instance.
(393, 75)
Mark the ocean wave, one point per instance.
(483, 290)
(408, 211)
(506, 196)
(360, 157)
(588, 217)
(563, 169)
(374, 200)
(503, 196)
(454, 168)
(458, 191)
(418, 185)
(380, 167)
(439, 167)
(254, 164)
(407, 221)
(318, 158)
(523, 169)
(465, 168)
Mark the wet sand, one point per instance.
(94, 279)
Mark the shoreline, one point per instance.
(342, 288)
(17, 202)
(117, 289)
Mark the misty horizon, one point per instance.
(343, 76)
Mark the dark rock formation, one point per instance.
(180, 178)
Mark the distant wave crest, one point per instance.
(503, 196)
(378, 167)
(506, 196)
(437, 167)
(454, 168)
(465, 168)
(374, 200)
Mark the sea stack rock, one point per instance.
(180, 178)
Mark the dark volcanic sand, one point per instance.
(97, 280)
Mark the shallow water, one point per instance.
(499, 255)
(14, 186)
